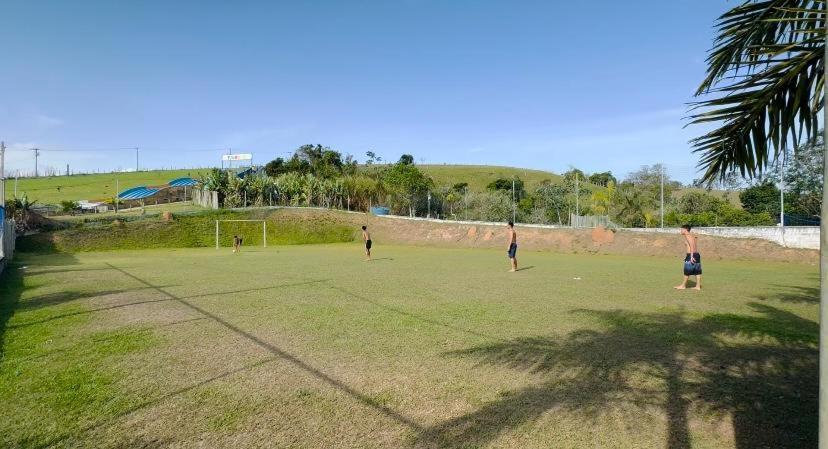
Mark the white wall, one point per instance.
(791, 236)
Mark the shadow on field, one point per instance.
(12, 288)
(642, 361)
(272, 349)
(793, 293)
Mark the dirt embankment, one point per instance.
(596, 241)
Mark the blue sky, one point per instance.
(597, 85)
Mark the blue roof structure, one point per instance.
(143, 192)
(138, 193)
(182, 182)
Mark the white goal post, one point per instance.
(264, 230)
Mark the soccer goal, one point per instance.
(262, 222)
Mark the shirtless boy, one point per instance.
(692, 259)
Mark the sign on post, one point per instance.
(237, 157)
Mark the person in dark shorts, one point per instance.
(237, 242)
(692, 259)
(511, 251)
(366, 236)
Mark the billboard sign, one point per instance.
(237, 157)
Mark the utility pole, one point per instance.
(136, 158)
(2, 176)
(662, 196)
(466, 202)
(514, 208)
(36, 153)
(577, 195)
(67, 169)
(429, 205)
(782, 196)
(116, 195)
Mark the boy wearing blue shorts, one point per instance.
(511, 251)
(692, 259)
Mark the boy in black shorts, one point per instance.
(366, 236)
(511, 250)
(237, 242)
(692, 259)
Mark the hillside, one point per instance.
(54, 189)
(93, 187)
(478, 176)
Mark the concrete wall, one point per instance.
(806, 237)
(7, 241)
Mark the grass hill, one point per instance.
(54, 189)
(93, 187)
(101, 186)
(478, 176)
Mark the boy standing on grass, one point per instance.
(692, 259)
(366, 236)
(511, 251)
(237, 241)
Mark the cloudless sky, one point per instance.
(599, 85)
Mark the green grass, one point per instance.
(93, 187)
(479, 176)
(308, 346)
(190, 229)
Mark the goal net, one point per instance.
(252, 232)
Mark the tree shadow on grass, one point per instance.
(794, 294)
(760, 369)
(12, 287)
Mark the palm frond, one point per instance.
(766, 79)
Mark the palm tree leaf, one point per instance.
(765, 80)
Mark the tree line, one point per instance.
(319, 176)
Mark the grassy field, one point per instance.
(95, 187)
(187, 229)
(479, 176)
(308, 346)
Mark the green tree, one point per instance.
(553, 199)
(803, 178)
(505, 185)
(572, 174)
(631, 206)
(602, 179)
(406, 182)
(761, 198)
(276, 167)
(698, 202)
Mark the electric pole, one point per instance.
(514, 207)
(662, 196)
(429, 205)
(136, 159)
(577, 195)
(36, 154)
(2, 176)
(782, 195)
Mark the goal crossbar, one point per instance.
(264, 230)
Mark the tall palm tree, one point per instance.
(766, 88)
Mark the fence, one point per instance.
(7, 238)
(806, 237)
(591, 221)
(205, 198)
